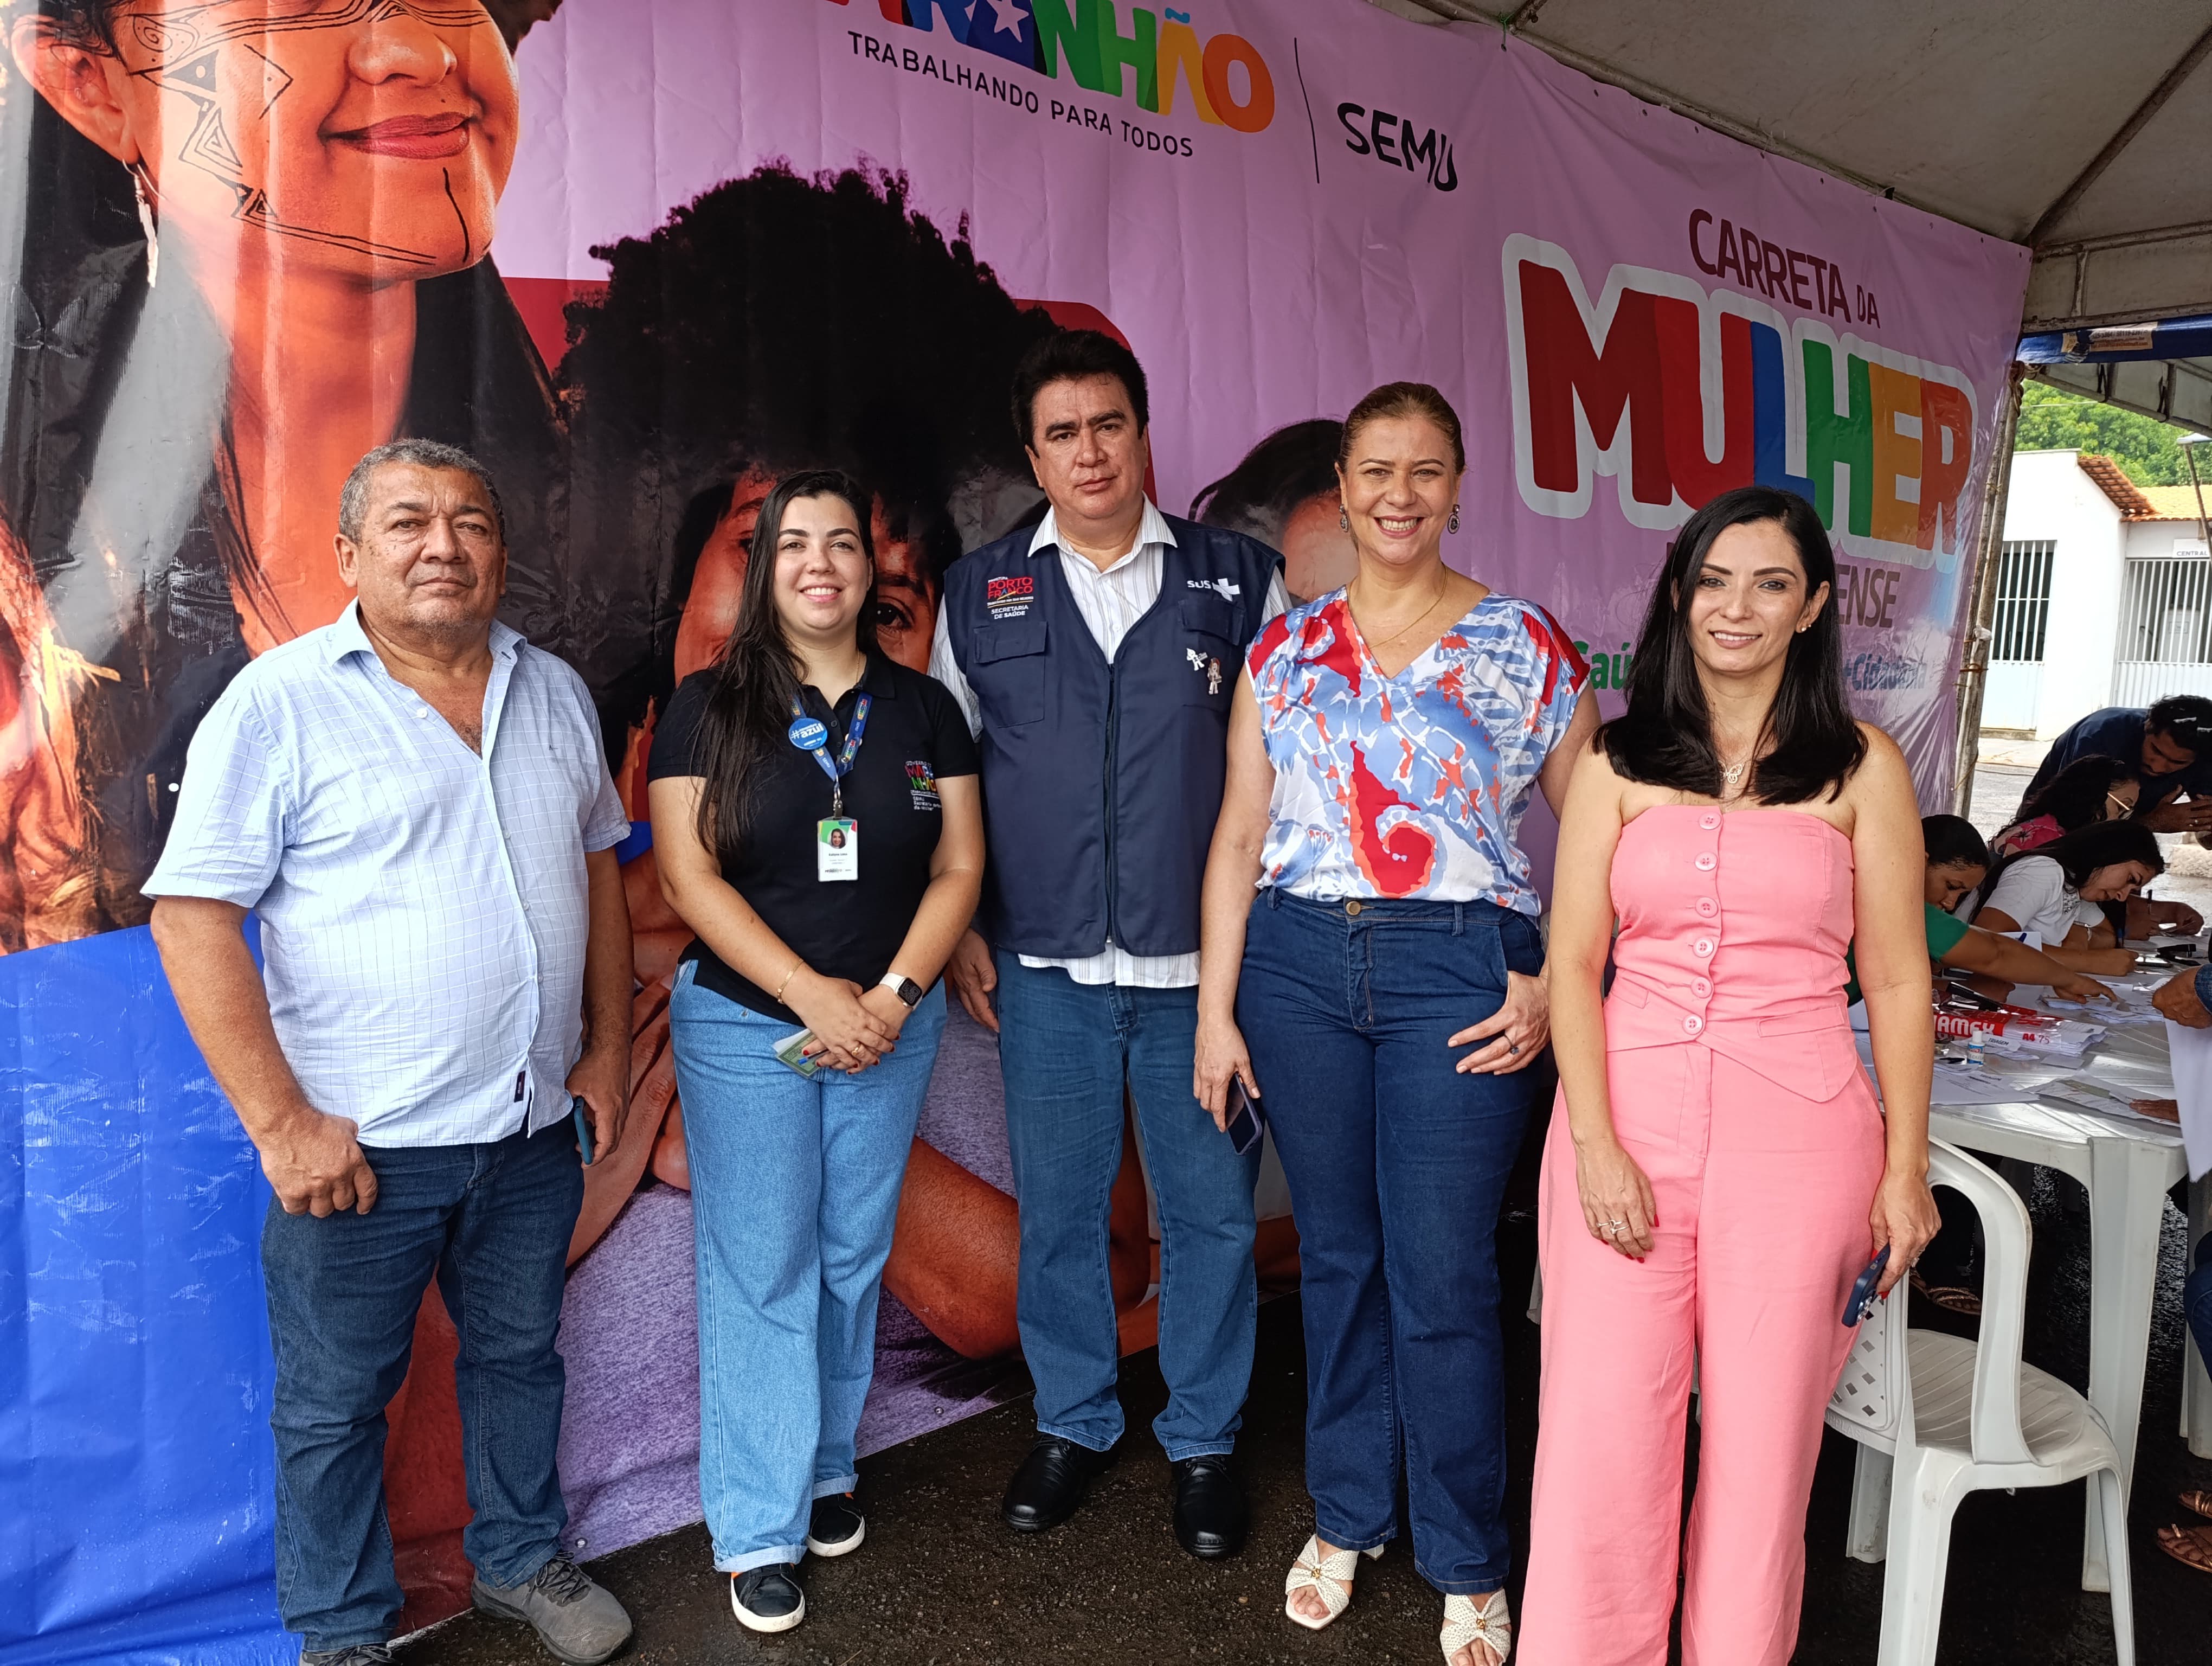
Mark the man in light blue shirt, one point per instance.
(415, 804)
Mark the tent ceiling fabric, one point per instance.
(1986, 111)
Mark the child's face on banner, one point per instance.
(372, 142)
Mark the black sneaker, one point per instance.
(836, 1525)
(767, 1599)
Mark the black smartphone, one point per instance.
(1859, 1307)
(582, 1113)
(1244, 1123)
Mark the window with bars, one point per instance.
(2022, 613)
(2164, 617)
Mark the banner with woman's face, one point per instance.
(644, 257)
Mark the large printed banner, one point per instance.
(642, 262)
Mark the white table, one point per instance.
(2126, 1168)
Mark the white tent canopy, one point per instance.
(2082, 131)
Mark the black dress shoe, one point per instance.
(1211, 1518)
(1051, 1482)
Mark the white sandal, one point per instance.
(1490, 1624)
(1330, 1576)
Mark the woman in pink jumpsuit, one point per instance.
(1718, 1170)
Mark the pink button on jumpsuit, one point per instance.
(1735, 1087)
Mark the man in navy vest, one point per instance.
(1096, 656)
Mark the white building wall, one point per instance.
(2051, 499)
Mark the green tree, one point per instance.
(2145, 448)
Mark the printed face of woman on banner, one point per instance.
(303, 165)
(368, 143)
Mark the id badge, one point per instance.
(837, 849)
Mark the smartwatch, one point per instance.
(905, 989)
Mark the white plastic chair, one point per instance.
(1942, 1417)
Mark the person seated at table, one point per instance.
(2089, 789)
(1957, 862)
(2057, 893)
(2187, 999)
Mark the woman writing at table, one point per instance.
(2054, 890)
(1718, 1172)
(1957, 862)
(827, 890)
(1383, 743)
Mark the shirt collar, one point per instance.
(1152, 529)
(346, 637)
(876, 680)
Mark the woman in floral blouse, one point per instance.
(1383, 743)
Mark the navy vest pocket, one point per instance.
(1212, 646)
(1008, 671)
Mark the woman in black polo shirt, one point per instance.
(819, 826)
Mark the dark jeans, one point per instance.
(492, 1222)
(2197, 1298)
(1067, 1051)
(1397, 1166)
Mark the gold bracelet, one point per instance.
(797, 966)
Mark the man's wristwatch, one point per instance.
(905, 989)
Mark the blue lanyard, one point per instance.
(811, 735)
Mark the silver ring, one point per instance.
(1513, 1046)
(1613, 1226)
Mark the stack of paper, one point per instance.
(2192, 1083)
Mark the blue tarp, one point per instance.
(136, 1468)
(2168, 338)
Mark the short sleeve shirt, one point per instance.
(425, 909)
(915, 737)
(2034, 891)
(1410, 786)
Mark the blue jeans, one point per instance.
(794, 1189)
(1066, 1051)
(1397, 1166)
(492, 1221)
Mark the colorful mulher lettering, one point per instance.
(1084, 41)
(1680, 394)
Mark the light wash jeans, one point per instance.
(794, 1188)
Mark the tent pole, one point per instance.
(1988, 550)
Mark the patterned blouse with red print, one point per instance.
(1413, 785)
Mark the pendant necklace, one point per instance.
(1384, 641)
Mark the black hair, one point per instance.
(2186, 717)
(1665, 737)
(756, 680)
(1953, 841)
(1290, 466)
(1074, 356)
(773, 324)
(89, 23)
(2075, 796)
(2080, 854)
